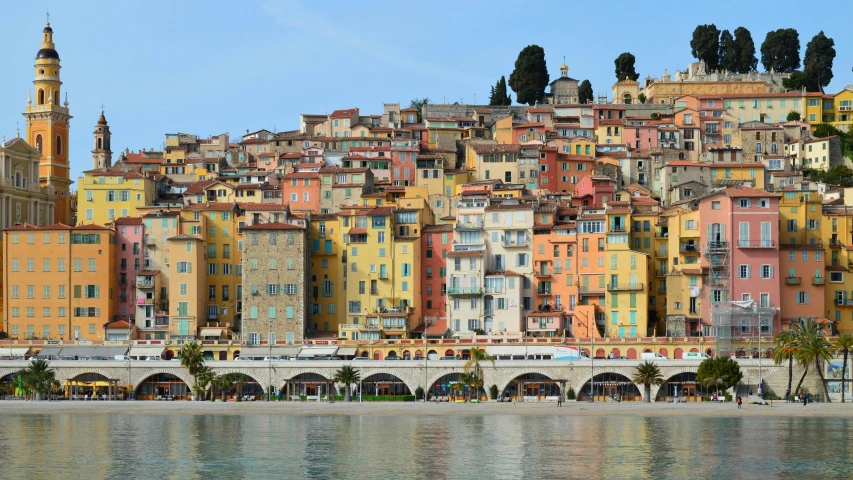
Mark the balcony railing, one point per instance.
(515, 242)
(792, 280)
(543, 291)
(767, 243)
(144, 283)
(624, 287)
(461, 291)
(469, 225)
(617, 228)
(688, 248)
(844, 302)
(718, 246)
(818, 281)
(835, 243)
(589, 289)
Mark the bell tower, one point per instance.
(102, 156)
(48, 124)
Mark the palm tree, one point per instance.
(785, 348)
(38, 378)
(648, 374)
(348, 376)
(473, 363)
(804, 328)
(471, 380)
(223, 383)
(814, 348)
(192, 358)
(844, 344)
(205, 378)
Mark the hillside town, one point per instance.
(676, 207)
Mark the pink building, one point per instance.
(435, 243)
(130, 249)
(594, 191)
(641, 133)
(739, 234)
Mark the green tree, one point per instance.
(648, 374)
(204, 381)
(499, 95)
(625, 67)
(785, 349)
(816, 349)
(37, 378)
(641, 97)
(705, 45)
(719, 372)
(418, 104)
(655, 116)
(781, 50)
(585, 92)
(799, 80)
(192, 358)
(348, 376)
(728, 58)
(844, 344)
(793, 116)
(804, 327)
(817, 64)
(530, 76)
(473, 364)
(743, 48)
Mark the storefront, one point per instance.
(93, 386)
(684, 386)
(384, 385)
(308, 386)
(533, 387)
(162, 386)
(610, 387)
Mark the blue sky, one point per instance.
(211, 67)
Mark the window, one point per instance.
(802, 298)
(743, 271)
(836, 277)
(767, 271)
(745, 203)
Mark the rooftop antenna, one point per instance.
(48, 16)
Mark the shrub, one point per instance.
(570, 395)
(728, 397)
(419, 393)
(493, 392)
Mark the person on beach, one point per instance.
(805, 399)
(787, 395)
(739, 401)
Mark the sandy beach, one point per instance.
(419, 409)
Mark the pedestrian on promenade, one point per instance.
(805, 399)
(787, 395)
(739, 401)
(560, 399)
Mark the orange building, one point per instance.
(803, 281)
(47, 126)
(59, 279)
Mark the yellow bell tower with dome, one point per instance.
(48, 125)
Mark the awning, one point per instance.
(212, 332)
(15, 351)
(311, 352)
(49, 352)
(146, 351)
(288, 351)
(347, 351)
(80, 352)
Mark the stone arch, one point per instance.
(647, 350)
(308, 383)
(551, 387)
(164, 386)
(688, 388)
(678, 353)
(632, 353)
(610, 382)
(449, 353)
(599, 353)
(386, 384)
(255, 375)
(64, 375)
(39, 143)
(58, 145)
(249, 380)
(40, 97)
(663, 351)
(140, 375)
(626, 98)
(377, 354)
(392, 353)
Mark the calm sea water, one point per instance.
(362, 447)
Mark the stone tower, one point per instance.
(102, 156)
(47, 126)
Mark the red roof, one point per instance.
(437, 328)
(357, 231)
(685, 163)
(267, 207)
(743, 191)
(344, 113)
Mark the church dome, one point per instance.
(47, 53)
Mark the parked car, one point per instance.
(153, 358)
(361, 358)
(67, 357)
(97, 357)
(653, 356)
(448, 357)
(694, 356)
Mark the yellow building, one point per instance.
(610, 132)
(684, 279)
(221, 240)
(187, 284)
(107, 194)
(626, 274)
(59, 281)
(731, 173)
(47, 126)
(843, 103)
(327, 298)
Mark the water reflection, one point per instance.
(496, 446)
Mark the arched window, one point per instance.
(58, 145)
(626, 99)
(18, 179)
(39, 142)
(56, 97)
(99, 145)
(41, 97)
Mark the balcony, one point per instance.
(662, 291)
(844, 302)
(835, 243)
(718, 246)
(144, 282)
(465, 291)
(590, 290)
(543, 291)
(511, 243)
(688, 248)
(359, 238)
(617, 228)
(624, 287)
(468, 225)
(792, 280)
(818, 281)
(767, 243)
